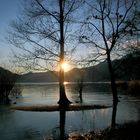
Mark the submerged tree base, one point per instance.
(64, 102)
(50, 108)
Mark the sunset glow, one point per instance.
(65, 83)
(65, 66)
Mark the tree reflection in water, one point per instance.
(58, 133)
(62, 123)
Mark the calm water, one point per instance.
(22, 125)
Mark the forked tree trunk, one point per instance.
(112, 78)
(63, 100)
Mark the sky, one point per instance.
(9, 10)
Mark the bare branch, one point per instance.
(49, 13)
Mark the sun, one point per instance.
(65, 83)
(65, 66)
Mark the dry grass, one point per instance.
(129, 131)
(130, 87)
(50, 108)
(134, 88)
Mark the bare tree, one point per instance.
(108, 26)
(7, 82)
(80, 84)
(43, 34)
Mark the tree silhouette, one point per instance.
(43, 33)
(7, 82)
(107, 28)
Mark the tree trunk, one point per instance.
(114, 112)
(63, 98)
(112, 78)
(7, 100)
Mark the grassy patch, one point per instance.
(49, 108)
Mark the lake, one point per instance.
(27, 125)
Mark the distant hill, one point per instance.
(89, 74)
(38, 77)
(95, 73)
(127, 68)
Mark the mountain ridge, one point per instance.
(128, 70)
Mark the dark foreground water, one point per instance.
(23, 125)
